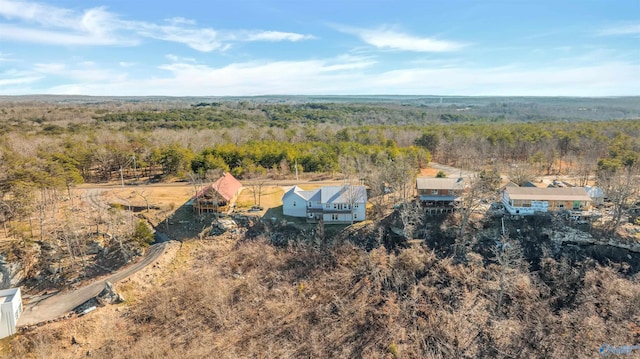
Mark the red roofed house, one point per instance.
(218, 196)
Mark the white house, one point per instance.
(10, 310)
(332, 204)
(528, 200)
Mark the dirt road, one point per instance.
(58, 304)
(451, 172)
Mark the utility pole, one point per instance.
(135, 174)
(296, 170)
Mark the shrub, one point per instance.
(142, 234)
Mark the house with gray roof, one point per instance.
(332, 204)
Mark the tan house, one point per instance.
(218, 196)
(528, 200)
(439, 192)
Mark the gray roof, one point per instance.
(331, 194)
(306, 195)
(343, 194)
(553, 194)
(439, 183)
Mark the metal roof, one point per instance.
(552, 194)
(226, 186)
(439, 183)
(343, 194)
(331, 194)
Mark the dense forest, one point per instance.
(93, 141)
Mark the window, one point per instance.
(355, 216)
(434, 192)
(328, 205)
(294, 203)
(334, 206)
(309, 203)
(452, 192)
(334, 217)
(355, 205)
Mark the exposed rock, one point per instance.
(572, 235)
(52, 269)
(11, 273)
(222, 225)
(109, 295)
(94, 248)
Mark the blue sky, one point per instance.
(262, 47)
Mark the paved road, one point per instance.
(58, 304)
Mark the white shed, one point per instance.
(10, 310)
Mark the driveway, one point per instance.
(451, 172)
(58, 304)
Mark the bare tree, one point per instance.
(145, 196)
(257, 181)
(508, 255)
(477, 189)
(520, 173)
(620, 185)
(411, 216)
(355, 196)
(5, 215)
(401, 175)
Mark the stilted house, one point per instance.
(219, 196)
(439, 193)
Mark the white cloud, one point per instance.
(37, 23)
(14, 77)
(387, 38)
(180, 21)
(4, 57)
(85, 72)
(275, 36)
(49, 68)
(345, 75)
(176, 58)
(622, 29)
(50, 37)
(58, 26)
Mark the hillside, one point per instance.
(240, 295)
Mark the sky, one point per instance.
(322, 47)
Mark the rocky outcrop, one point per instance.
(10, 273)
(222, 225)
(109, 295)
(572, 235)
